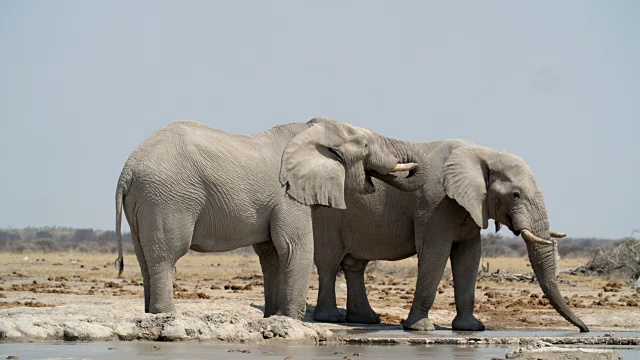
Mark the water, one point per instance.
(203, 350)
(393, 333)
(206, 350)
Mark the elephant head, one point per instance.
(322, 162)
(497, 185)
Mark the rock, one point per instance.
(544, 351)
(124, 321)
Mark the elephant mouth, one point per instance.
(400, 170)
(529, 236)
(369, 188)
(508, 224)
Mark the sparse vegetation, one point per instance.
(499, 246)
(60, 239)
(620, 261)
(613, 258)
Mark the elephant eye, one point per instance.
(516, 195)
(366, 144)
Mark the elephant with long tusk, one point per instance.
(465, 185)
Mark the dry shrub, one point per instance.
(619, 262)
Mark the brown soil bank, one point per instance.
(220, 297)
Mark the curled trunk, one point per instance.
(404, 152)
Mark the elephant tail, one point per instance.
(121, 190)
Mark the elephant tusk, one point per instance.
(557, 235)
(530, 237)
(498, 225)
(404, 167)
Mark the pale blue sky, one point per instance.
(82, 83)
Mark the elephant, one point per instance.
(465, 185)
(190, 186)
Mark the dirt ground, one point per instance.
(52, 292)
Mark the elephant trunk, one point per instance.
(402, 152)
(543, 262)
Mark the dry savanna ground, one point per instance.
(55, 279)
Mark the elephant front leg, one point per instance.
(358, 308)
(432, 259)
(292, 236)
(465, 259)
(270, 266)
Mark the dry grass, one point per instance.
(409, 267)
(521, 265)
(217, 265)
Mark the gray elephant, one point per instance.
(465, 185)
(189, 186)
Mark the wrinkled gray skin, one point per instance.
(189, 186)
(465, 186)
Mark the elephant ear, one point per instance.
(466, 176)
(311, 167)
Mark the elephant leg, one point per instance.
(358, 308)
(161, 289)
(465, 259)
(432, 259)
(164, 242)
(146, 281)
(270, 265)
(326, 308)
(292, 235)
(327, 260)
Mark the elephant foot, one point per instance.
(467, 323)
(297, 314)
(363, 318)
(328, 314)
(422, 324)
(272, 312)
(161, 309)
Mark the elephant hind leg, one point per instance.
(161, 292)
(431, 265)
(163, 242)
(144, 269)
(270, 271)
(358, 308)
